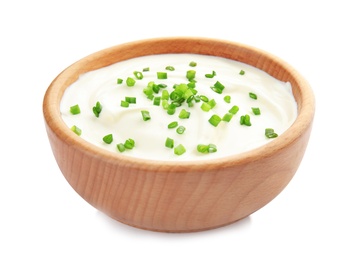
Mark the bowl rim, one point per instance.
(54, 121)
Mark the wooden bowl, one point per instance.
(184, 196)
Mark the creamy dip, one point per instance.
(274, 99)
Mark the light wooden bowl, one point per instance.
(187, 196)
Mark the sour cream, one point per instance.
(278, 108)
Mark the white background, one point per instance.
(41, 217)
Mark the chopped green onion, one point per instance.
(130, 82)
(173, 124)
(161, 75)
(205, 107)
(145, 115)
(169, 143)
(119, 81)
(124, 103)
(227, 99)
(234, 110)
(180, 129)
(212, 103)
(138, 75)
(156, 101)
(242, 72)
(190, 74)
(165, 94)
(131, 100)
(210, 148)
(214, 120)
(121, 147)
(170, 68)
(76, 130)
(253, 96)
(97, 109)
(210, 76)
(192, 64)
(256, 111)
(129, 143)
(171, 109)
(108, 139)
(75, 109)
(183, 114)
(218, 87)
(179, 150)
(165, 104)
(269, 133)
(146, 69)
(245, 120)
(227, 117)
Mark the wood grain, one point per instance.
(188, 196)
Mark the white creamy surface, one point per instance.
(275, 100)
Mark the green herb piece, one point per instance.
(192, 64)
(129, 143)
(173, 124)
(190, 74)
(212, 103)
(179, 150)
(210, 148)
(214, 120)
(171, 109)
(145, 115)
(205, 107)
(218, 87)
(165, 104)
(210, 76)
(227, 117)
(269, 133)
(97, 109)
(253, 95)
(170, 68)
(204, 98)
(227, 99)
(234, 110)
(242, 72)
(121, 147)
(245, 120)
(130, 82)
(138, 75)
(161, 75)
(76, 130)
(180, 129)
(124, 103)
(256, 111)
(146, 69)
(131, 100)
(108, 139)
(169, 143)
(75, 109)
(156, 101)
(183, 114)
(165, 94)
(119, 81)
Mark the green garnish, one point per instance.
(173, 124)
(183, 114)
(171, 109)
(119, 81)
(156, 101)
(97, 109)
(170, 68)
(179, 150)
(76, 130)
(146, 69)
(161, 75)
(242, 72)
(129, 143)
(214, 120)
(205, 107)
(210, 76)
(165, 94)
(124, 103)
(75, 109)
(121, 147)
(169, 143)
(269, 133)
(180, 129)
(190, 74)
(256, 111)
(145, 115)
(227, 99)
(210, 148)
(218, 87)
(130, 82)
(108, 139)
(212, 103)
(192, 64)
(138, 75)
(245, 120)
(253, 95)
(131, 100)
(204, 98)
(227, 117)
(234, 110)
